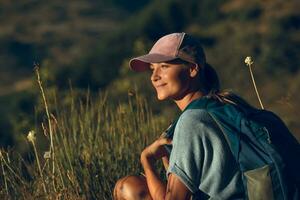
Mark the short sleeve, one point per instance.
(201, 157)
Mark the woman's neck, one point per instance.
(187, 99)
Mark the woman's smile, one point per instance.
(160, 85)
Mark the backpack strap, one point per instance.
(234, 146)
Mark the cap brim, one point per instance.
(142, 63)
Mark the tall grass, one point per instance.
(95, 143)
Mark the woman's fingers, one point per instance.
(157, 150)
(164, 141)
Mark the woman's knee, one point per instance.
(131, 188)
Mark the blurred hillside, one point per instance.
(55, 34)
(89, 43)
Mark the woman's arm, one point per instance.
(174, 189)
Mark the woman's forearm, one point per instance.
(156, 186)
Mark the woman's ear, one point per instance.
(194, 70)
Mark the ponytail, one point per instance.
(210, 85)
(210, 80)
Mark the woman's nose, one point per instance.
(155, 75)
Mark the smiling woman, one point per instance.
(203, 153)
(170, 79)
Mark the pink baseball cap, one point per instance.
(170, 47)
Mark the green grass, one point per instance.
(94, 144)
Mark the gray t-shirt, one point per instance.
(202, 159)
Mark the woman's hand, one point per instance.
(156, 150)
(150, 154)
(157, 188)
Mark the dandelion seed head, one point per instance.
(249, 61)
(31, 136)
(47, 155)
(131, 93)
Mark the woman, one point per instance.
(201, 164)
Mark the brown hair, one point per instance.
(209, 84)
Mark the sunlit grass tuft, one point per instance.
(95, 143)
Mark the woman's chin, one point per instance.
(161, 97)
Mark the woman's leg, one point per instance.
(132, 188)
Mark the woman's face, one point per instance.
(171, 80)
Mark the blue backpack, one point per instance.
(267, 153)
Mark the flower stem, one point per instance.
(39, 166)
(49, 122)
(253, 81)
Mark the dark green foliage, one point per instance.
(18, 118)
(130, 5)
(89, 43)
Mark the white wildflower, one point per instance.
(31, 136)
(47, 155)
(248, 61)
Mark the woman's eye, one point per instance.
(164, 66)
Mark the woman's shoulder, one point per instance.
(196, 122)
(199, 115)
